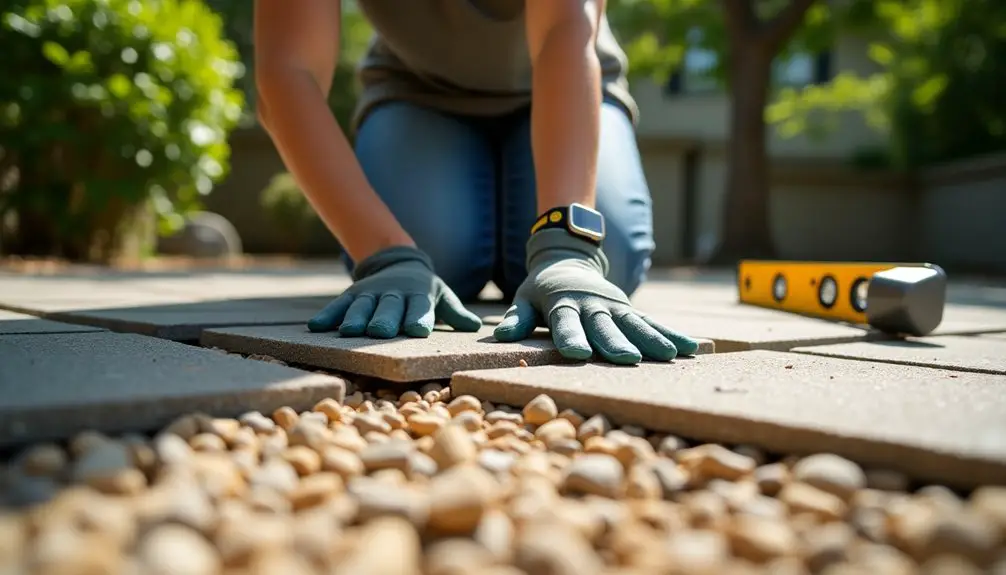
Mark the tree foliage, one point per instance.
(107, 106)
(937, 91)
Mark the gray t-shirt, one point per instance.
(463, 56)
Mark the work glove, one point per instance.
(394, 291)
(566, 289)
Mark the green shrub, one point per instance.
(109, 110)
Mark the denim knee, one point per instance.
(629, 261)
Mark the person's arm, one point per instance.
(565, 100)
(296, 52)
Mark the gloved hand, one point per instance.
(394, 291)
(567, 289)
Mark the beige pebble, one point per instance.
(421, 465)
(425, 424)
(712, 460)
(368, 422)
(760, 540)
(940, 497)
(668, 445)
(573, 417)
(108, 467)
(566, 447)
(354, 400)
(540, 410)
(395, 420)
(330, 407)
(315, 489)
(598, 444)
(633, 430)
(698, 551)
(458, 498)
(43, 459)
(308, 433)
(595, 474)
(642, 483)
(949, 565)
(175, 550)
(771, 478)
(546, 549)
(501, 428)
(371, 556)
(258, 422)
(240, 537)
(431, 387)
(831, 473)
(634, 450)
(411, 409)
(705, 510)
(285, 417)
(303, 459)
(275, 473)
(464, 403)
(470, 420)
(171, 449)
(672, 478)
(285, 561)
(208, 442)
(990, 501)
(387, 455)
(456, 556)
(762, 506)
(184, 426)
(498, 415)
(410, 396)
(803, 498)
(452, 445)
(495, 532)
(496, 461)
(376, 498)
(827, 545)
(342, 461)
(349, 438)
(750, 451)
(596, 426)
(183, 502)
(554, 430)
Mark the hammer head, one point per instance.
(907, 300)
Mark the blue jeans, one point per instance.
(464, 189)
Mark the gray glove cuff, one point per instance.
(546, 246)
(389, 257)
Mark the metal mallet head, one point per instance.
(907, 300)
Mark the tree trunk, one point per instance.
(746, 230)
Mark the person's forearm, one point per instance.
(317, 153)
(565, 118)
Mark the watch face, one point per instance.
(586, 221)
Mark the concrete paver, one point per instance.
(740, 333)
(936, 425)
(963, 353)
(402, 359)
(56, 385)
(186, 321)
(12, 323)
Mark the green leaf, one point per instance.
(55, 53)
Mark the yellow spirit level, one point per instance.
(900, 298)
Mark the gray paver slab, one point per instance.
(54, 386)
(936, 425)
(721, 301)
(962, 353)
(12, 323)
(743, 333)
(402, 359)
(186, 321)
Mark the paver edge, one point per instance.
(708, 426)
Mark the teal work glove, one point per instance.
(394, 291)
(566, 287)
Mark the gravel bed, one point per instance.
(376, 483)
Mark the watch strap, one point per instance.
(553, 218)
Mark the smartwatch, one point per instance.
(577, 219)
